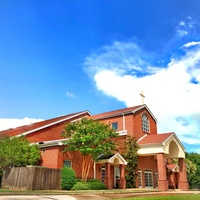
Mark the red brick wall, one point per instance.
(50, 157)
(50, 133)
(133, 123)
(147, 163)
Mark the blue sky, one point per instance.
(59, 57)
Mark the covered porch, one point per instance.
(165, 148)
(112, 169)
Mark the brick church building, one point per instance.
(155, 169)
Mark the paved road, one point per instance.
(38, 197)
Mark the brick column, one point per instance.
(162, 176)
(108, 178)
(182, 183)
(122, 183)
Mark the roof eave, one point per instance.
(51, 124)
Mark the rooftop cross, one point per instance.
(142, 95)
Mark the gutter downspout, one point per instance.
(123, 121)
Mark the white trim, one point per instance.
(145, 106)
(125, 113)
(51, 124)
(142, 137)
(111, 159)
(50, 143)
(124, 132)
(154, 148)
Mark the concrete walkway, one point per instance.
(97, 195)
(37, 197)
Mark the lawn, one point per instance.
(174, 197)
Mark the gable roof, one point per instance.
(154, 139)
(173, 167)
(161, 143)
(24, 130)
(114, 159)
(123, 111)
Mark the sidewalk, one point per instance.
(90, 194)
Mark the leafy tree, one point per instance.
(130, 154)
(194, 158)
(194, 177)
(92, 139)
(17, 152)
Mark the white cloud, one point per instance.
(70, 95)
(172, 93)
(12, 123)
(185, 27)
(190, 44)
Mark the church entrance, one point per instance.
(116, 176)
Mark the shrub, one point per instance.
(91, 184)
(68, 178)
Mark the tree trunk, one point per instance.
(86, 165)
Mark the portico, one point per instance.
(165, 147)
(114, 171)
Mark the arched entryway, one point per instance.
(114, 174)
(166, 147)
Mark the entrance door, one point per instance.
(116, 176)
(148, 176)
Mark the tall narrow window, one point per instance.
(103, 173)
(140, 178)
(145, 123)
(156, 179)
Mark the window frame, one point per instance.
(114, 125)
(148, 178)
(145, 123)
(67, 165)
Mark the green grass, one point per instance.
(173, 197)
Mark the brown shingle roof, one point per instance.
(116, 112)
(19, 130)
(155, 139)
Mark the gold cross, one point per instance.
(142, 95)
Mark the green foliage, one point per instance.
(17, 152)
(91, 184)
(193, 169)
(91, 138)
(131, 156)
(68, 178)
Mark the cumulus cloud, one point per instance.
(13, 123)
(172, 92)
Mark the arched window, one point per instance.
(145, 123)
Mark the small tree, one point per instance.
(17, 152)
(92, 139)
(130, 154)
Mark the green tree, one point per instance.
(92, 139)
(130, 154)
(17, 152)
(194, 175)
